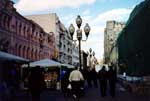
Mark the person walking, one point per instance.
(94, 77)
(102, 75)
(75, 78)
(89, 78)
(65, 82)
(36, 83)
(112, 78)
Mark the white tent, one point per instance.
(44, 63)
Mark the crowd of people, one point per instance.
(77, 78)
(107, 78)
(73, 81)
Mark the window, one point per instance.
(20, 29)
(19, 51)
(24, 52)
(24, 31)
(8, 22)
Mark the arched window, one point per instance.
(1, 16)
(16, 49)
(20, 29)
(19, 50)
(8, 22)
(24, 52)
(16, 27)
(36, 37)
(32, 33)
(28, 53)
(28, 32)
(24, 31)
(31, 54)
(38, 55)
(35, 54)
(4, 21)
(31, 36)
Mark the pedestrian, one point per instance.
(75, 78)
(65, 82)
(36, 82)
(102, 75)
(94, 77)
(112, 78)
(89, 78)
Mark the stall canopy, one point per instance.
(68, 66)
(7, 58)
(44, 63)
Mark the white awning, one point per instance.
(6, 57)
(44, 63)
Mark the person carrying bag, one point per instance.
(75, 78)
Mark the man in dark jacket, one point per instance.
(102, 75)
(112, 78)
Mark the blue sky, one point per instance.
(94, 12)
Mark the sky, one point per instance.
(93, 12)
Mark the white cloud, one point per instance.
(115, 14)
(86, 12)
(28, 6)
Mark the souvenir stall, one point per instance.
(10, 74)
(52, 72)
(52, 75)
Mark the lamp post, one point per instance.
(79, 33)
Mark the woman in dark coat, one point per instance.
(36, 83)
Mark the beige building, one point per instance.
(110, 35)
(51, 23)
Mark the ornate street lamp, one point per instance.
(79, 33)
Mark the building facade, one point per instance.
(64, 44)
(84, 61)
(75, 54)
(23, 37)
(65, 52)
(110, 36)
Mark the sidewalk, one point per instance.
(91, 94)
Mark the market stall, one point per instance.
(52, 71)
(10, 73)
(6, 58)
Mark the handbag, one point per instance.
(69, 86)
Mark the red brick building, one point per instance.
(23, 37)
